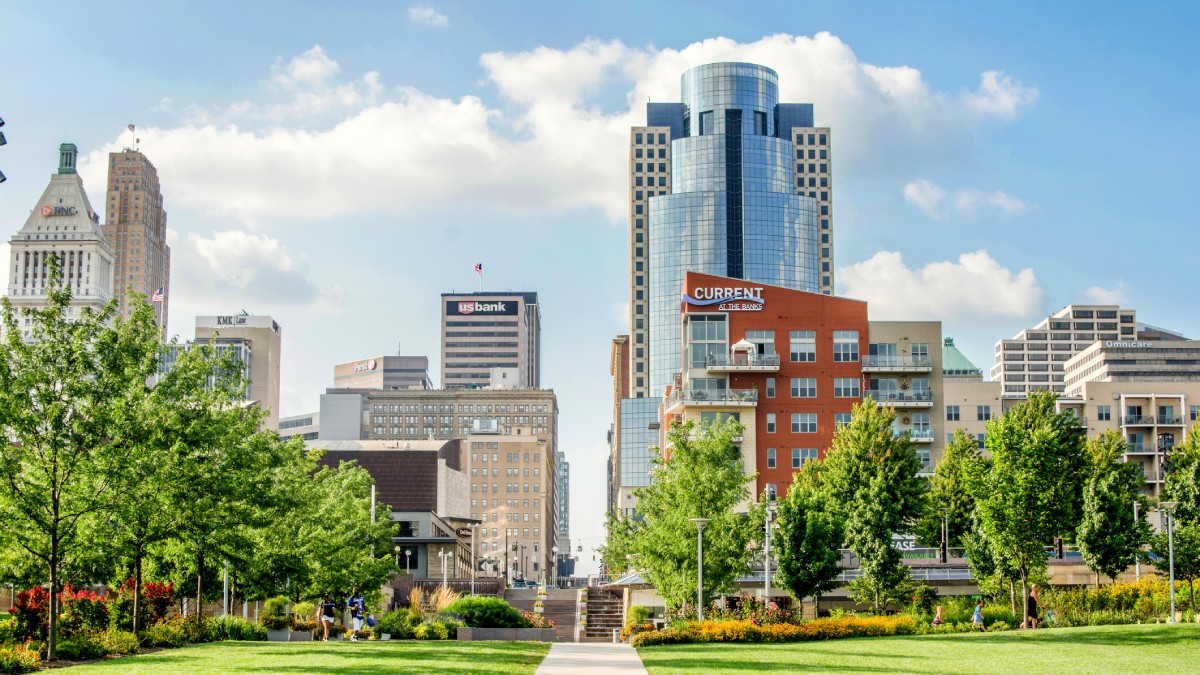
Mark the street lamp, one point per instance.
(474, 527)
(767, 517)
(397, 549)
(554, 572)
(407, 559)
(945, 534)
(443, 554)
(1169, 507)
(699, 523)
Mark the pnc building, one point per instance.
(491, 339)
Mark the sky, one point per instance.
(338, 165)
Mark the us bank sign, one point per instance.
(727, 298)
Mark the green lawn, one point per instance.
(1106, 649)
(332, 657)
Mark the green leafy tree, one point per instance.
(619, 542)
(1032, 492)
(870, 478)
(1187, 555)
(1182, 482)
(702, 478)
(949, 493)
(64, 395)
(1109, 536)
(809, 537)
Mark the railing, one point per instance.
(742, 360)
(917, 434)
(1140, 419)
(899, 396)
(733, 396)
(888, 361)
(1171, 420)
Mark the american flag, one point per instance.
(158, 295)
(479, 268)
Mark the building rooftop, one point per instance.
(955, 363)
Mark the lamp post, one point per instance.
(443, 554)
(1169, 507)
(1137, 560)
(767, 517)
(407, 559)
(699, 523)
(554, 572)
(474, 565)
(397, 549)
(945, 534)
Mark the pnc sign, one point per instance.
(369, 364)
(48, 211)
(727, 298)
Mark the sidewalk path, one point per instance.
(590, 657)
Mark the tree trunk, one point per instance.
(1024, 599)
(199, 584)
(52, 634)
(1097, 581)
(1012, 596)
(137, 584)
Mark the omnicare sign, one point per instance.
(473, 307)
(727, 298)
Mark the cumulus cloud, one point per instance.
(976, 286)
(1107, 296)
(316, 142)
(426, 15)
(936, 202)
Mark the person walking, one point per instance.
(1031, 614)
(977, 617)
(328, 612)
(937, 618)
(357, 606)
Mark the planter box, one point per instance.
(300, 636)
(508, 634)
(278, 635)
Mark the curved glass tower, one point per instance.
(732, 209)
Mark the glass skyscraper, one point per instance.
(732, 209)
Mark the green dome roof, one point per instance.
(955, 363)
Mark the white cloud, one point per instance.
(315, 143)
(1108, 296)
(976, 286)
(165, 104)
(932, 199)
(424, 14)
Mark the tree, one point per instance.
(948, 490)
(64, 395)
(1032, 492)
(619, 543)
(1182, 482)
(1187, 555)
(870, 477)
(1109, 536)
(809, 537)
(702, 478)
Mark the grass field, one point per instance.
(1106, 649)
(332, 657)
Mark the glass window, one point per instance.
(952, 414)
(981, 439)
(802, 455)
(803, 345)
(770, 423)
(804, 423)
(770, 458)
(846, 387)
(845, 346)
(706, 337)
(804, 387)
(821, 140)
(983, 413)
(771, 388)
(840, 420)
(1194, 413)
(1104, 413)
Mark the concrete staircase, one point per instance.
(559, 607)
(604, 615)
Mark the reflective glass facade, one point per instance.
(731, 210)
(637, 414)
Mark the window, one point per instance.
(1104, 413)
(952, 414)
(706, 122)
(706, 337)
(771, 388)
(845, 346)
(981, 439)
(840, 420)
(1194, 413)
(846, 387)
(803, 345)
(804, 387)
(770, 458)
(802, 455)
(804, 423)
(983, 413)
(920, 352)
(770, 423)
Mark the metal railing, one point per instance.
(889, 361)
(917, 434)
(742, 360)
(731, 396)
(1140, 419)
(1171, 420)
(899, 396)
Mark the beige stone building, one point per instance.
(903, 369)
(260, 336)
(136, 228)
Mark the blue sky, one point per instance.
(337, 165)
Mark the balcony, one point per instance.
(747, 398)
(1139, 420)
(902, 399)
(897, 364)
(1170, 421)
(918, 435)
(742, 362)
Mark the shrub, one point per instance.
(118, 641)
(276, 622)
(536, 620)
(235, 628)
(441, 598)
(30, 614)
(8, 630)
(1000, 626)
(177, 631)
(82, 612)
(638, 614)
(396, 624)
(422, 631)
(275, 606)
(744, 630)
(633, 628)
(80, 648)
(21, 658)
(416, 599)
(156, 601)
(304, 611)
(487, 612)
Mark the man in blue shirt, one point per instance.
(357, 606)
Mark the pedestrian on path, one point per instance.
(328, 611)
(357, 606)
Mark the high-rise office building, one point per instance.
(491, 339)
(136, 229)
(383, 372)
(261, 337)
(719, 185)
(62, 225)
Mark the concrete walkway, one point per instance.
(590, 657)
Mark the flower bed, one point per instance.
(745, 630)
